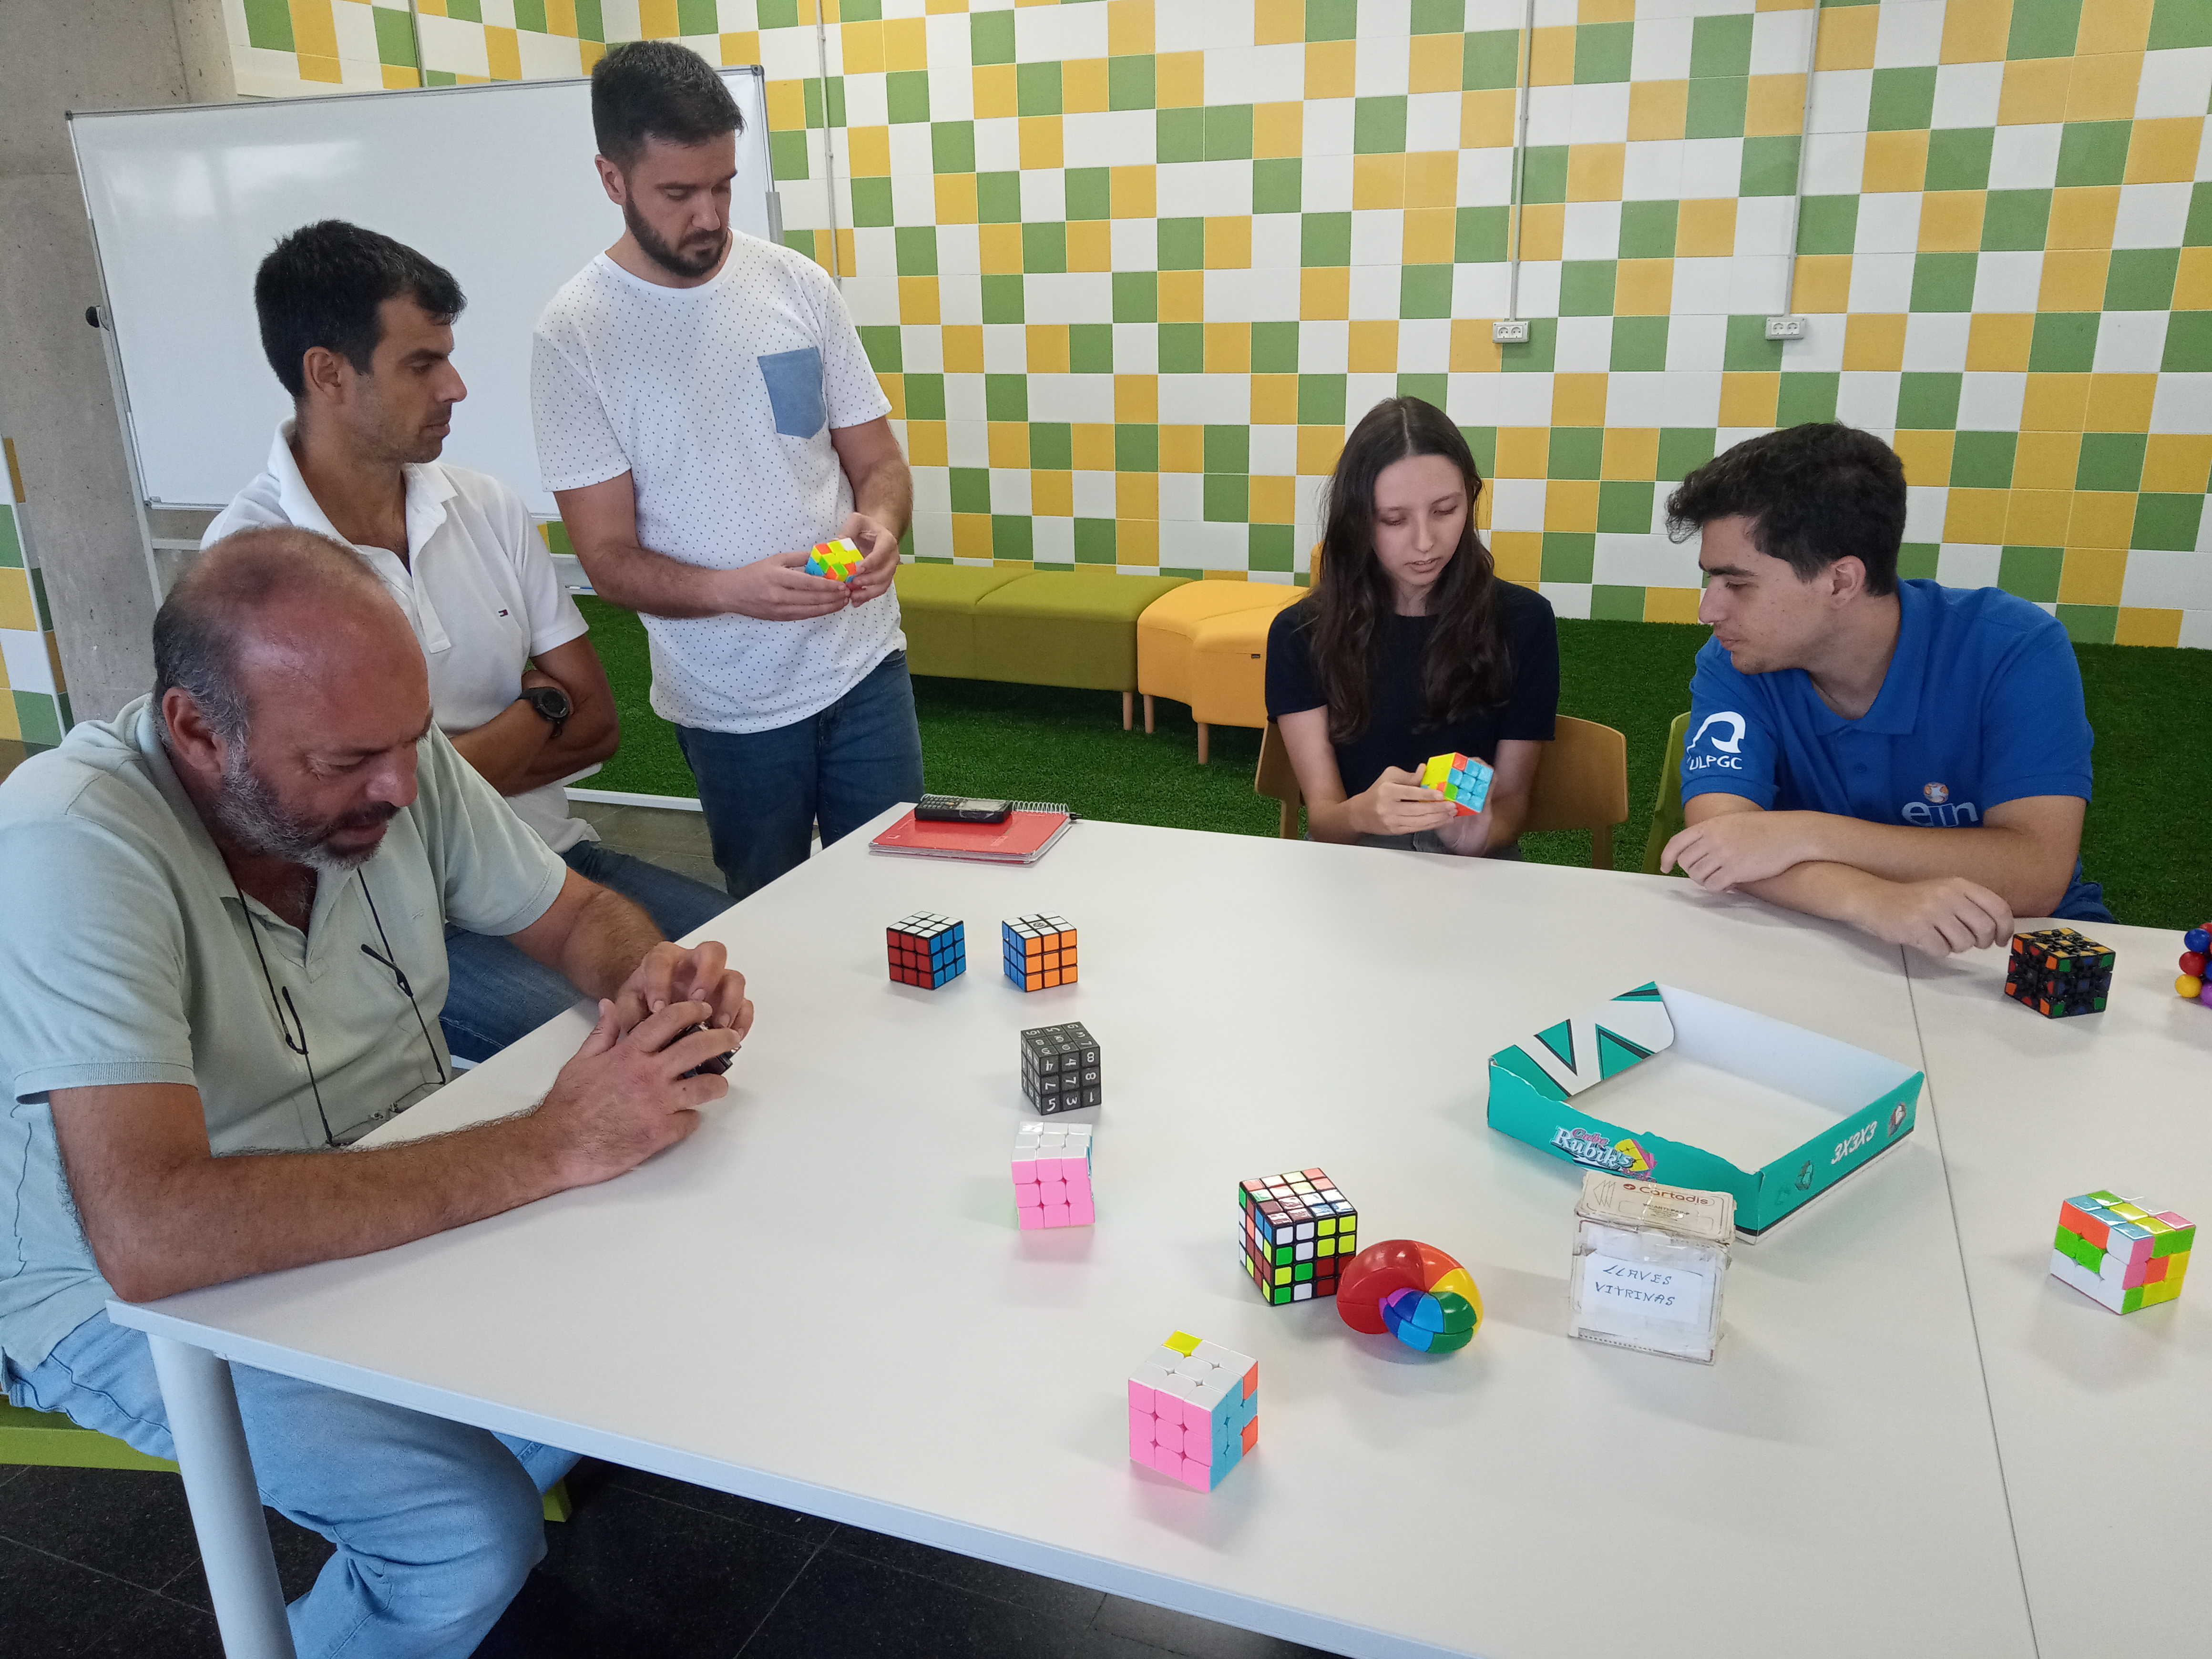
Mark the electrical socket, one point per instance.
(1785, 328)
(1512, 331)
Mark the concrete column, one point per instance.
(55, 401)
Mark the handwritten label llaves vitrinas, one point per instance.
(1615, 1290)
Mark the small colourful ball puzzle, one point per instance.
(1039, 951)
(927, 949)
(1194, 1411)
(1464, 779)
(2112, 1248)
(1297, 1231)
(1052, 1175)
(1413, 1291)
(1061, 1071)
(2195, 952)
(2057, 972)
(840, 560)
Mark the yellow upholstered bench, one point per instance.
(1166, 644)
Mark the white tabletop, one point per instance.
(821, 1299)
(2101, 1416)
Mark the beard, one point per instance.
(697, 254)
(250, 814)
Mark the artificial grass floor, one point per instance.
(2152, 709)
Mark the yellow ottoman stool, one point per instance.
(1167, 645)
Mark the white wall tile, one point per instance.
(1989, 401)
(2175, 81)
(2130, 341)
(2026, 157)
(1966, 95)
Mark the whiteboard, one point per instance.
(495, 183)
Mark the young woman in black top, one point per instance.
(1411, 646)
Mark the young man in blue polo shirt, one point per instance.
(1910, 758)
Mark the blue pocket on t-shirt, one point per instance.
(794, 391)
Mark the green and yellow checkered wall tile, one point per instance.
(34, 701)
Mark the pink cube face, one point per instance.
(1196, 1475)
(1079, 1212)
(1031, 1219)
(1025, 1171)
(1056, 1215)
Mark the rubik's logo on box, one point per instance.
(2112, 1249)
(1039, 951)
(1195, 1410)
(1298, 1232)
(2057, 972)
(1052, 1175)
(1464, 779)
(1061, 1068)
(927, 949)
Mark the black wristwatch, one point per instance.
(551, 703)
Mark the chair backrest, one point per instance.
(1279, 781)
(1667, 810)
(1582, 783)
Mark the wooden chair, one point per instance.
(1582, 783)
(1667, 810)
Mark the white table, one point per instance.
(2101, 1417)
(822, 1301)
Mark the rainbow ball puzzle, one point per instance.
(2196, 953)
(1052, 1175)
(1194, 1411)
(2057, 972)
(926, 949)
(840, 560)
(1060, 1068)
(1039, 951)
(1464, 779)
(2113, 1249)
(1297, 1232)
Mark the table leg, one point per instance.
(226, 1505)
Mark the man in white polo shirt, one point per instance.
(705, 415)
(359, 329)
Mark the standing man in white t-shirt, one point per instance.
(359, 329)
(705, 415)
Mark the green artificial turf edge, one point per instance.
(2149, 706)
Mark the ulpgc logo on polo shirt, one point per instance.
(1721, 737)
(1936, 808)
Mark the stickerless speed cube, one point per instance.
(1039, 951)
(926, 949)
(1195, 1410)
(1464, 779)
(1052, 1175)
(840, 560)
(2056, 971)
(1060, 1068)
(2114, 1249)
(1297, 1233)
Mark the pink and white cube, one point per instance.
(1052, 1174)
(1194, 1410)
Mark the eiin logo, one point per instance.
(1935, 807)
(1726, 744)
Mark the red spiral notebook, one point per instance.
(1024, 838)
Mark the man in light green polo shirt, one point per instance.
(222, 931)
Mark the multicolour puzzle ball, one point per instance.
(840, 560)
(2195, 952)
(1464, 779)
(1413, 1291)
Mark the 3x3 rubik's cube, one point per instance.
(926, 949)
(1038, 952)
(2057, 972)
(1297, 1232)
(1195, 1410)
(840, 560)
(1052, 1175)
(1464, 779)
(1061, 1069)
(2112, 1249)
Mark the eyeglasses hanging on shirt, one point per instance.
(295, 1028)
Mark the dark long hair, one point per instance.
(1466, 666)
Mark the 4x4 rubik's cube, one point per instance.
(2113, 1249)
(926, 949)
(1060, 1068)
(1464, 779)
(1298, 1233)
(840, 560)
(1195, 1410)
(1039, 951)
(2056, 971)
(1052, 1175)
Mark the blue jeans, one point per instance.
(764, 792)
(436, 1524)
(497, 994)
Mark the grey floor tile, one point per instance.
(1194, 1638)
(1048, 1597)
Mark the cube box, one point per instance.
(1194, 1410)
(1052, 1175)
(2115, 1250)
(926, 949)
(1061, 1068)
(1297, 1231)
(1039, 951)
(2057, 972)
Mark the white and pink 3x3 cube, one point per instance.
(1052, 1175)
(1195, 1410)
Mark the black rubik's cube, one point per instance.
(2056, 971)
(1297, 1232)
(927, 949)
(1060, 1068)
(1039, 951)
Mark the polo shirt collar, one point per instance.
(1896, 710)
(429, 489)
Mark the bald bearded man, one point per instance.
(222, 931)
